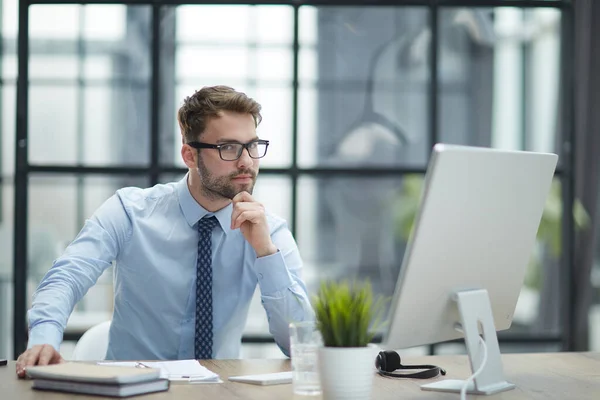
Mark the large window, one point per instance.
(353, 98)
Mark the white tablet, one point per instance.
(276, 378)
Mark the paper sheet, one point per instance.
(190, 371)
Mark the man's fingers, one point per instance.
(242, 196)
(37, 355)
(19, 367)
(57, 359)
(21, 372)
(28, 358)
(47, 355)
(240, 208)
(31, 356)
(252, 216)
(19, 362)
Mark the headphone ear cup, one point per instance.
(379, 360)
(391, 361)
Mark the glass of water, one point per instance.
(305, 341)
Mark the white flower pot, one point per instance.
(347, 372)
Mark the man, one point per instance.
(183, 281)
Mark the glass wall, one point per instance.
(499, 74)
(358, 94)
(8, 29)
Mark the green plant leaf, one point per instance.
(345, 313)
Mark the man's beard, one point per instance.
(222, 186)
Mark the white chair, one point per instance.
(93, 343)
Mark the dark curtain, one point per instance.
(587, 155)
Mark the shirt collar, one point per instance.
(193, 212)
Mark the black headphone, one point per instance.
(389, 361)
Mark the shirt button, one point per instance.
(260, 276)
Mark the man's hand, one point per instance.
(42, 354)
(249, 216)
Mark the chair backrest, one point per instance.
(93, 343)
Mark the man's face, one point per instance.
(225, 179)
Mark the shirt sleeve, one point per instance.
(76, 271)
(283, 293)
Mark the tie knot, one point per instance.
(207, 223)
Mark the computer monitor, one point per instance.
(467, 255)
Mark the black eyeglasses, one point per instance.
(233, 151)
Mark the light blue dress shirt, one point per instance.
(152, 235)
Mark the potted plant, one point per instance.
(347, 318)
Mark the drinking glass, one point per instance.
(305, 341)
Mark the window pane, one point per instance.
(307, 27)
(105, 143)
(52, 66)
(371, 83)
(98, 67)
(245, 53)
(273, 24)
(276, 125)
(308, 143)
(9, 66)
(352, 228)
(6, 264)
(90, 104)
(7, 130)
(54, 21)
(212, 62)
(58, 136)
(52, 124)
(499, 77)
(234, 24)
(96, 18)
(308, 67)
(10, 18)
(275, 193)
(538, 309)
(274, 64)
(210, 23)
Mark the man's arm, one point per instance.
(283, 293)
(278, 267)
(72, 274)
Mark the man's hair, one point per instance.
(209, 102)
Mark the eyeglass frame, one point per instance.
(202, 145)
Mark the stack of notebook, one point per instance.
(97, 379)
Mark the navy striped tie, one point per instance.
(203, 342)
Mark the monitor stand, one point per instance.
(475, 310)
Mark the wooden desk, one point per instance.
(537, 376)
